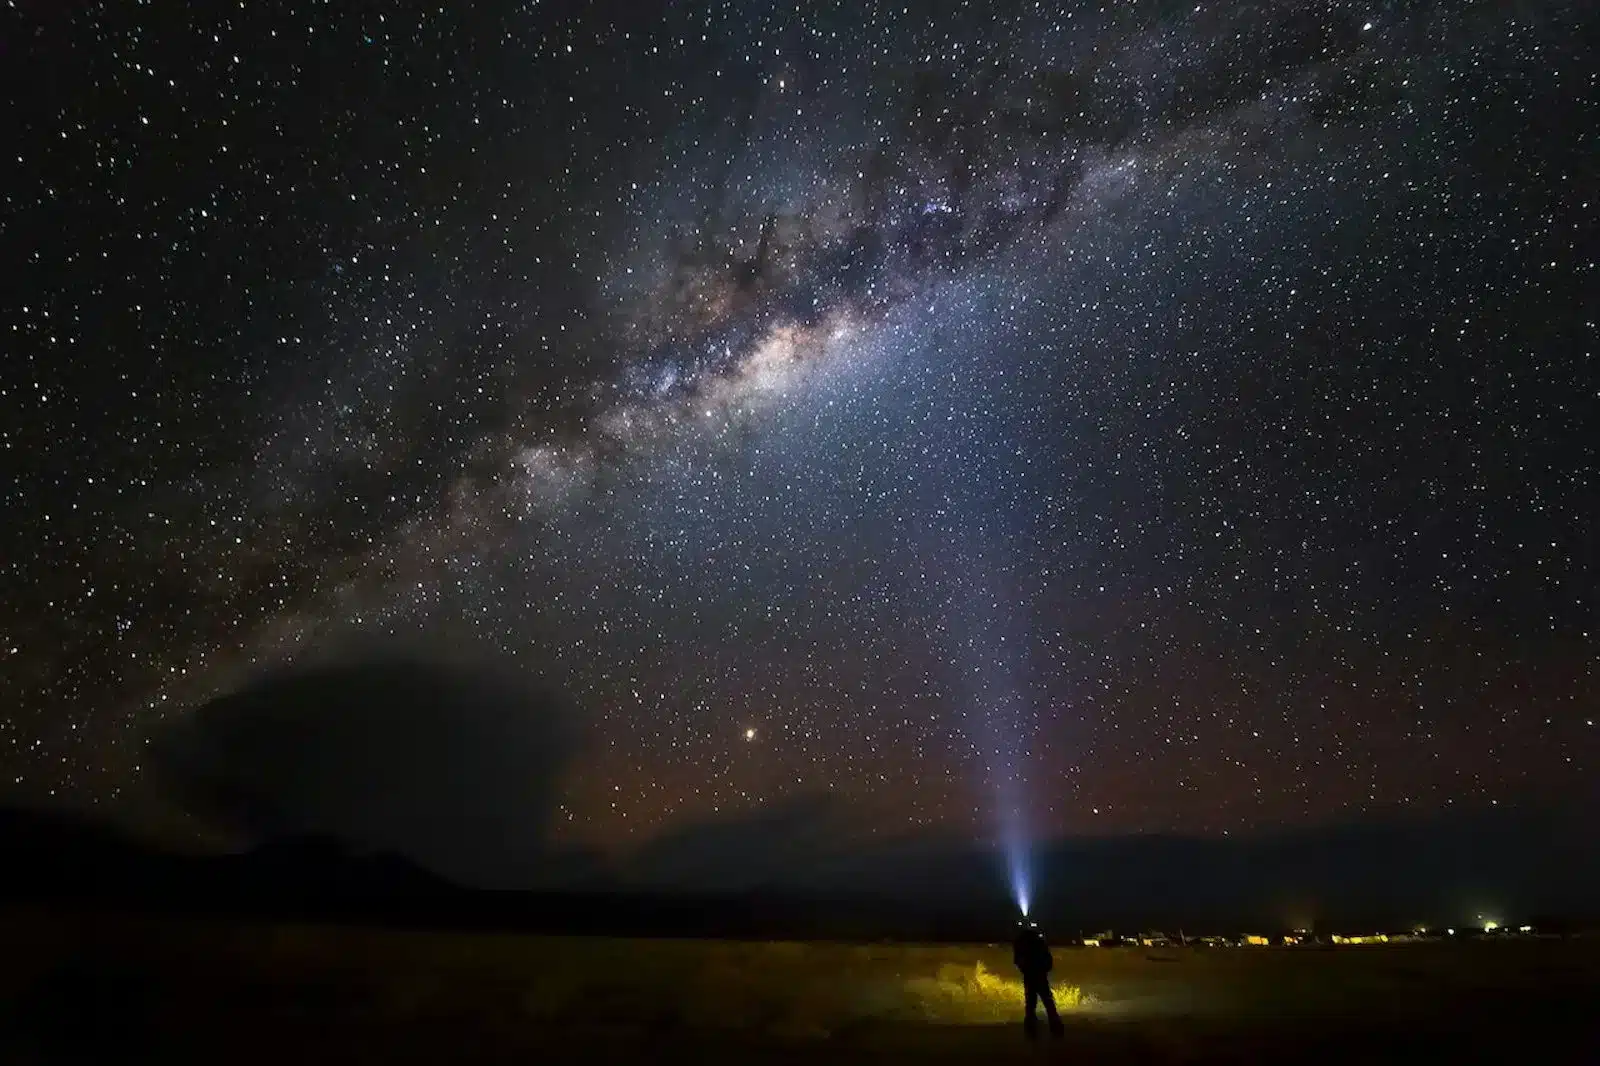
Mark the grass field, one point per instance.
(115, 989)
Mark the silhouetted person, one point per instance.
(1032, 956)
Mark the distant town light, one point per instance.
(1489, 927)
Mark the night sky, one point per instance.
(996, 421)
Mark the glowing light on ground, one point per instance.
(970, 994)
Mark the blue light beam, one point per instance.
(985, 652)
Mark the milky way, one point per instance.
(1143, 418)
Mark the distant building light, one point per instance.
(1489, 927)
(1524, 928)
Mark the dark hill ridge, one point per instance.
(1509, 865)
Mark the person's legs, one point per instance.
(1030, 998)
(1049, 998)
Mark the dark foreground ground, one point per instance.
(107, 989)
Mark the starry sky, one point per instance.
(1001, 421)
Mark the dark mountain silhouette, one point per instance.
(1512, 866)
(58, 857)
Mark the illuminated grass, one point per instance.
(966, 995)
(510, 986)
